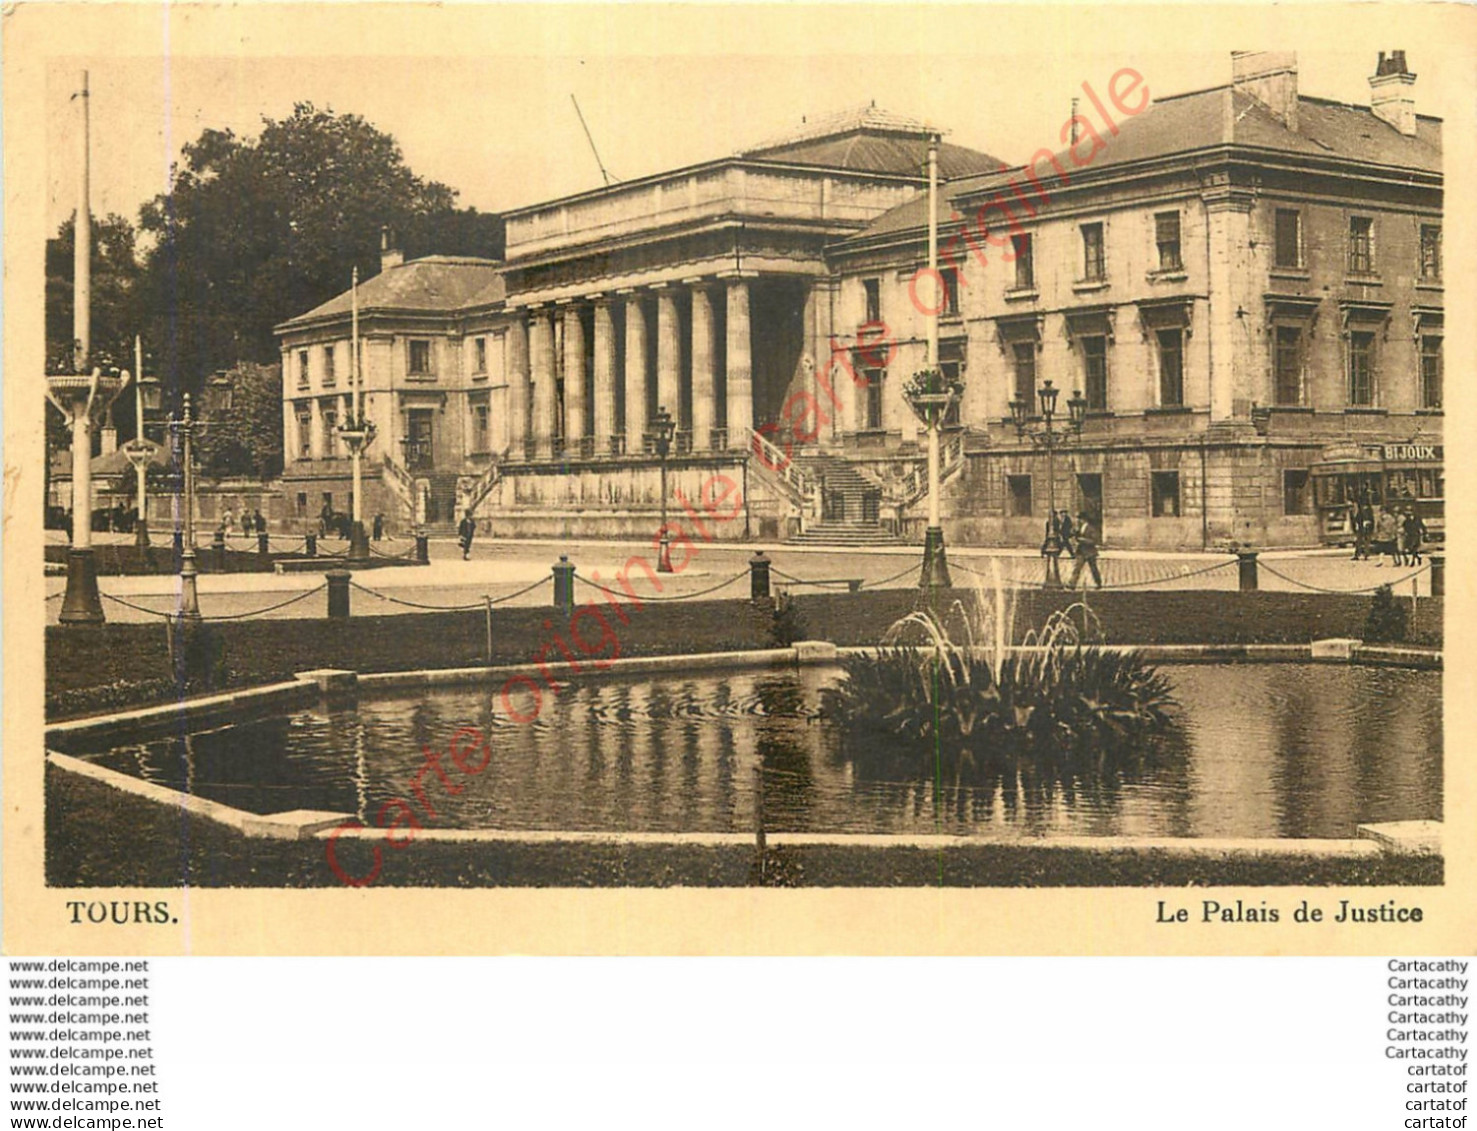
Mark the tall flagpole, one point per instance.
(935, 567)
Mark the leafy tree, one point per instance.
(114, 307)
(258, 230)
(245, 437)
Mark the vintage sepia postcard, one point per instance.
(733, 479)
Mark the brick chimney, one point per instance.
(1392, 92)
(1271, 77)
(390, 255)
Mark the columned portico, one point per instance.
(607, 360)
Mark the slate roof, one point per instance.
(1207, 119)
(868, 140)
(431, 285)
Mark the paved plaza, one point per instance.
(517, 572)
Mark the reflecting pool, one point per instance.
(1258, 750)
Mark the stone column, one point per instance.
(605, 378)
(541, 364)
(668, 355)
(740, 385)
(574, 378)
(704, 403)
(518, 402)
(636, 375)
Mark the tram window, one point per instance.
(1402, 485)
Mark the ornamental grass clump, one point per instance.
(1058, 707)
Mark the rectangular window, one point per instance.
(330, 433)
(1289, 249)
(1167, 238)
(1025, 373)
(1289, 365)
(304, 434)
(1430, 252)
(1019, 489)
(420, 358)
(481, 418)
(1025, 274)
(1430, 371)
(1361, 368)
(950, 277)
(1296, 498)
(479, 356)
(872, 288)
(874, 378)
(1165, 488)
(328, 372)
(1095, 372)
(302, 369)
(1094, 267)
(1171, 367)
(1361, 245)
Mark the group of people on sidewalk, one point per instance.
(252, 522)
(1395, 530)
(1080, 538)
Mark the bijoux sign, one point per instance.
(1430, 452)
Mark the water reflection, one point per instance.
(1260, 750)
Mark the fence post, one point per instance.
(423, 549)
(564, 584)
(1246, 570)
(263, 547)
(338, 593)
(759, 577)
(1438, 574)
(218, 548)
(310, 545)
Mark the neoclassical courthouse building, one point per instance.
(1238, 280)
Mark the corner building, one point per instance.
(1239, 280)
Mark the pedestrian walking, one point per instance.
(1084, 552)
(1413, 530)
(1065, 529)
(259, 521)
(1387, 536)
(1363, 524)
(246, 521)
(379, 527)
(465, 531)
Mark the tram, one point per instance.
(1402, 475)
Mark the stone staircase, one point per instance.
(849, 506)
(845, 534)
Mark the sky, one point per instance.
(502, 131)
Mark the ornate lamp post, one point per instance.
(931, 396)
(357, 433)
(1048, 436)
(183, 428)
(663, 427)
(139, 451)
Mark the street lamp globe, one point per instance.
(1048, 396)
